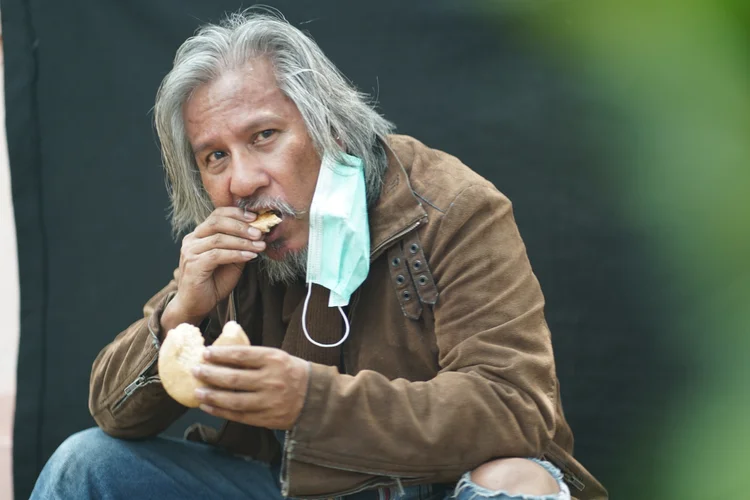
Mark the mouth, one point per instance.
(270, 237)
(277, 213)
(273, 234)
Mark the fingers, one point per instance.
(228, 220)
(211, 259)
(225, 241)
(224, 237)
(257, 409)
(245, 402)
(259, 386)
(236, 379)
(244, 356)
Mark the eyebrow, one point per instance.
(254, 123)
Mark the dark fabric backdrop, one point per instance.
(94, 243)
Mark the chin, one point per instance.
(280, 249)
(283, 265)
(276, 253)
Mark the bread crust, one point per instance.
(266, 221)
(182, 350)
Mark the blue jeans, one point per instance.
(91, 464)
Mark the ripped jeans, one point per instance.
(91, 464)
(466, 489)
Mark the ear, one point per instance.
(338, 140)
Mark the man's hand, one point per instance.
(211, 262)
(258, 386)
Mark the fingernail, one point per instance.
(249, 255)
(200, 393)
(250, 215)
(207, 352)
(207, 409)
(260, 245)
(254, 232)
(196, 371)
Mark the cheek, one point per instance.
(300, 164)
(217, 188)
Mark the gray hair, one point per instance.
(330, 105)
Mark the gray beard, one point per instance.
(286, 271)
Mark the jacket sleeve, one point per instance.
(126, 397)
(495, 393)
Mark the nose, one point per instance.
(248, 175)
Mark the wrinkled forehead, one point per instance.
(235, 101)
(251, 82)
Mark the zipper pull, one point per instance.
(130, 389)
(574, 481)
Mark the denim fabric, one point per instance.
(423, 492)
(91, 464)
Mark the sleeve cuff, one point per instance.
(319, 385)
(154, 322)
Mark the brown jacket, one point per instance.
(449, 362)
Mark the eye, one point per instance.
(265, 135)
(215, 156)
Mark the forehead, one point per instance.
(236, 97)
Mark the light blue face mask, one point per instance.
(338, 253)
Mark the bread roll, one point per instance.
(266, 221)
(182, 350)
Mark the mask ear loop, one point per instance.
(304, 322)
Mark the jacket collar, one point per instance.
(398, 211)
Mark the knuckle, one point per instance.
(277, 356)
(240, 356)
(276, 385)
(233, 380)
(236, 404)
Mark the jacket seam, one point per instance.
(460, 193)
(428, 202)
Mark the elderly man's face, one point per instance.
(251, 143)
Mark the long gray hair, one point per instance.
(331, 107)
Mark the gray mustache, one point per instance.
(256, 203)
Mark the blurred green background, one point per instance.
(678, 72)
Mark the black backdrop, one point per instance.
(90, 203)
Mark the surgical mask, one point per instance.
(338, 253)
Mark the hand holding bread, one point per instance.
(259, 386)
(182, 350)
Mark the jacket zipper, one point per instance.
(141, 381)
(573, 480)
(568, 475)
(396, 236)
(289, 443)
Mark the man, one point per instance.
(399, 347)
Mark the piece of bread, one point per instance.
(181, 350)
(266, 221)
